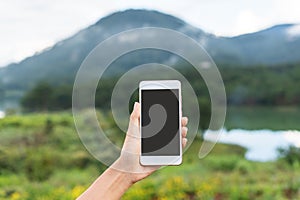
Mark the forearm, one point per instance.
(112, 184)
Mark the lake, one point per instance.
(2, 114)
(261, 145)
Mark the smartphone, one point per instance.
(160, 122)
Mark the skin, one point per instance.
(113, 183)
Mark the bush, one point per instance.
(11, 161)
(49, 125)
(221, 163)
(243, 167)
(40, 164)
(174, 188)
(82, 159)
(291, 154)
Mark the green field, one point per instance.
(41, 157)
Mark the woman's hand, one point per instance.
(126, 170)
(129, 159)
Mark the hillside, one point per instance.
(42, 158)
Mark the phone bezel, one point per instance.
(158, 85)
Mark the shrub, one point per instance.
(39, 164)
(11, 161)
(222, 163)
(243, 167)
(291, 154)
(82, 159)
(142, 190)
(49, 125)
(173, 188)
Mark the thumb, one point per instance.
(134, 123)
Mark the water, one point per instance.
(2, 114)
(261, 145)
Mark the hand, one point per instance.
(128, 161)
(127, 170)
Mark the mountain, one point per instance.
(275, 45)
(59, 64)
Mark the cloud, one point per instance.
(287, 10)
(248, 22)
(293, 32)
(30, 26)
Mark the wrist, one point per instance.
(122, 176)
(112, 184)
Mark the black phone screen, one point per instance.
(160, 122)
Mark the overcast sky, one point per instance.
(28, 26)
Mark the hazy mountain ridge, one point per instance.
(60, 63)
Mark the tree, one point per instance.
(61, 98)
(39, 98)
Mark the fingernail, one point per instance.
(135, 105)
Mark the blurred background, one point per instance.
(255, 44)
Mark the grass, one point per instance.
(224, 174)
(41, 157)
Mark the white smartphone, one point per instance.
(160, 122)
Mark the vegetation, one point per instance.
(255, 85)
(45, 97)
(41, 157)
(291, 155)
(245, 86)
(262, 85)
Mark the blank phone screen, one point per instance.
(160, 122)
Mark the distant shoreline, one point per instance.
(261, 145)
(2, 114)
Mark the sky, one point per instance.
(30, 26)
